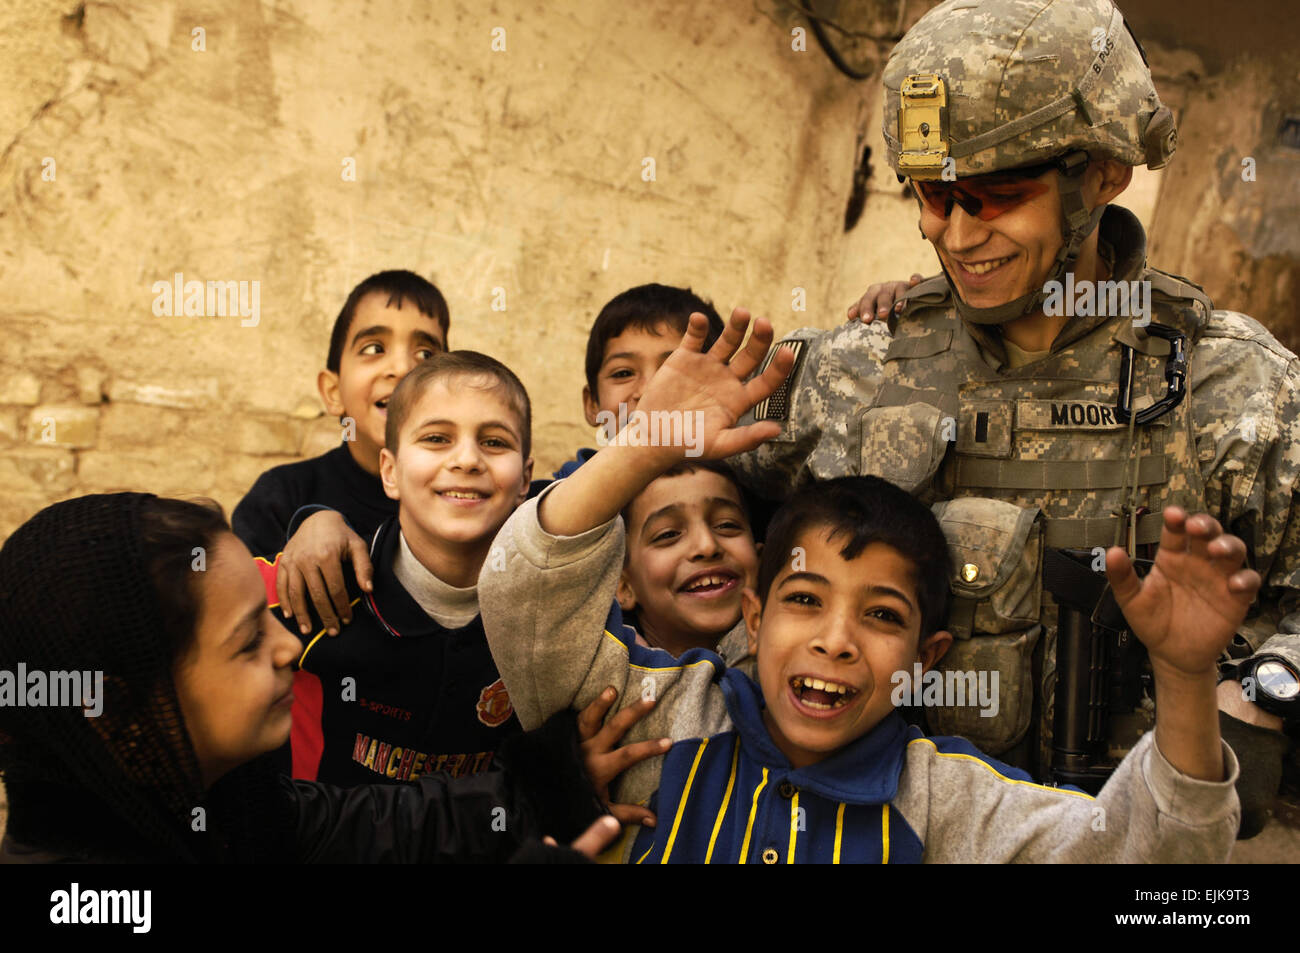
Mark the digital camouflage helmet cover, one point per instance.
(981, 86)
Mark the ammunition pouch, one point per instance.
(996, 549)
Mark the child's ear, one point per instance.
(933, 649)
(751, 610)
(625, 596)
(527, 481)
(589, 406)
(388, 473)
(327, 382)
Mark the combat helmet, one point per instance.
(980, 86)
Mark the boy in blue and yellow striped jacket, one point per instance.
(811, 763)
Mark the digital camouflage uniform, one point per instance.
(1021, 460)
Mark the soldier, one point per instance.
(1051, 394)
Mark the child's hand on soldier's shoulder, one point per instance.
(312, 566)
(1194, 599)
(713, 384)
(880, 299)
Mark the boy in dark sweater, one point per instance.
(633, 334)
(408, 687)
(390, 322)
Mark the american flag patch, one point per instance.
(777, 407)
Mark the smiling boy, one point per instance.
(864, 597)
(690, 554)
(390, 323)
(632, 335)
(408, 687)
(811, 764)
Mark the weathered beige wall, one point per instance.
(127, 156)
(518, 169)
(1232, 222)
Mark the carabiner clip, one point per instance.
(1175, 377)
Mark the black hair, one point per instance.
(399, 286)
(694, 465)
(862, 511)
(169, 532)
(645, 307)
(458, 364)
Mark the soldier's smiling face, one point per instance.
(996, 261)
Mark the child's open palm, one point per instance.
(712, 384)
(1195, 597)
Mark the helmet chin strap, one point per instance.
(1077, 223)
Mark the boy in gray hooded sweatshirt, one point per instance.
(810, 763)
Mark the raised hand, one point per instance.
(1195, 597)
(705, 392)
(711, 385)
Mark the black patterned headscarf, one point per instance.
(76, 594)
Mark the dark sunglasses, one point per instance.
(984, 196)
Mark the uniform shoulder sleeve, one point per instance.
(819, 407)
(1246, 408)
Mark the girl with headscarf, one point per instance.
(168, 764)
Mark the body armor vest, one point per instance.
(1045, 437)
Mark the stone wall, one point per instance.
(303, 146)
(306, 145)
(1232, 223)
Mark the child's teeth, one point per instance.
(816, 684)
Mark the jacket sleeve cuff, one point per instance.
(546, 769)
(302, 513)
(1189, 799)
(552, 552)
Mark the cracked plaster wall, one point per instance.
(518, 170)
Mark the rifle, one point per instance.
(1101, 667)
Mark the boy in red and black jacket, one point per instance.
(408, 686)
